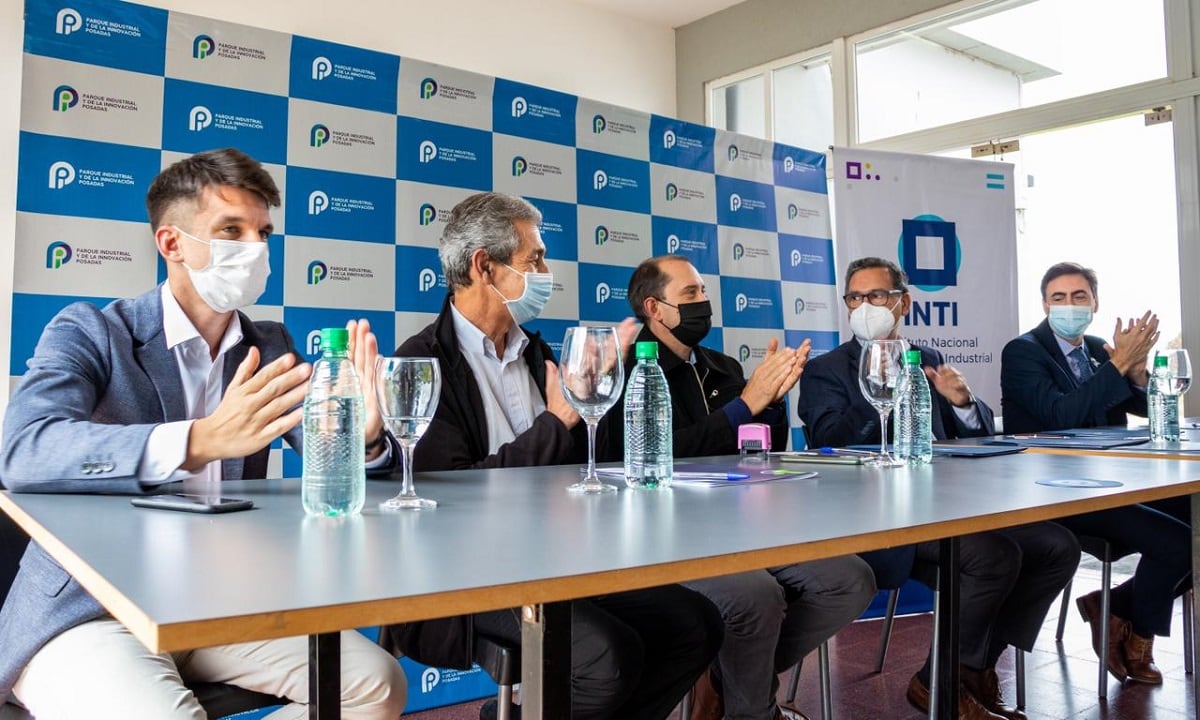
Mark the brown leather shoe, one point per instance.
(969, 708)
(985, 686)
(1118, 629)
(1139, 659)
(707, 703)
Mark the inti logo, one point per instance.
(321, 67)
(318, 135)
(58, 253)
(65, 98)
(519, 166)
(430, 678)
(203, 46)
(62, 173)
(739, 251)
(426, 213)
(603, 292)
(199, 118)
(318, 202)
(735, 202)
(672, 191)
(743, 353)
(672, 244)
(669, 139)
(67, 21)
(740, 302)
(793, 211)
(598, 124)
(519, 106)
(733, 153)
(429, 88)
(601, 234)
(317, 271)
(426, 151)
(312, 343)
(860, 171)
(426, 279)
(599, 180)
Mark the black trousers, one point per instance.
(1009, 578)
(633, 654)
(1161, 531)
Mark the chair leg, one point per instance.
(504, 703)
(1062, 612)
(1020, 672)
(885, 636)
(826, 689)
(1105, 581)
(1189, 640)
(934, 665)
(794, 682)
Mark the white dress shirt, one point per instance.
(511, 399)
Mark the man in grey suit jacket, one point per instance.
(174, 384)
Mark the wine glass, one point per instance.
(408, 389)
(1180, 366)
(879, 379)
(592, 376)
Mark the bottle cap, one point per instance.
(334, 339)
(647, 350)
(912, 357)
(1159, 360)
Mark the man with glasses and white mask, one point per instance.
(175, 384)
(633, 654)
(1056, 377)
(1009, 578)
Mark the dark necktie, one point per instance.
(1081, 364)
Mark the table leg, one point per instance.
(943, 702)
(1195, 629)
(546, 661)
(325, 676)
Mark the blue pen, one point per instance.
(843, 451)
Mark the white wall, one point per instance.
(550, 43)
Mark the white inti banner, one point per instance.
(950, 224)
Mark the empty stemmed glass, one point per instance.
(879, 378)
(592, 377)
(408, 389)
(1180, 366)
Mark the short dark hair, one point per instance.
(647, 281)
(1057, 270)
(187, 179)
(899, 279)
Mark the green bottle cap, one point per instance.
(912, 357)
(646, 350)
(334, 339)
(1159, 361)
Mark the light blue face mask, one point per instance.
(533, 299)
(1070, 321)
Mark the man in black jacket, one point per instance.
(633, 654)
(773, 617)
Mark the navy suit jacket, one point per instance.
(836, 414)
(1039, 391)
(97, 385)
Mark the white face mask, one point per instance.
(872, 322)
(529, 305)
(236, 274)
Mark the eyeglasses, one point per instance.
(875, 297)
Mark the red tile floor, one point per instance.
(1060, 681)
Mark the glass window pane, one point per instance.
(803, 104)
(738, 107)
(1005, 56)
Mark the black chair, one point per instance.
(1108, 553)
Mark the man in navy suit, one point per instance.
(1009, 577)
(1056, 377)
(173, 385)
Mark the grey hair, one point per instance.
(484, 220)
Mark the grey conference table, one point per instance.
(515, 537)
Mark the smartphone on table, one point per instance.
(192, 503)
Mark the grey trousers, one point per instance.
(774, 617)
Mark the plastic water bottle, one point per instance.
(914, 420)
(334, 479)
(1163, 396)
(649, 457)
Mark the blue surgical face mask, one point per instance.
(1070, 322)
(533, 299)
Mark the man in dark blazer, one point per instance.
(1009, 577)
(633, 654)
(1056, 377)
(173, 385)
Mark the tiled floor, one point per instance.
(1060, 681)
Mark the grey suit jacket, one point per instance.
(97, 385)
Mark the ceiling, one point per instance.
(664, 13)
